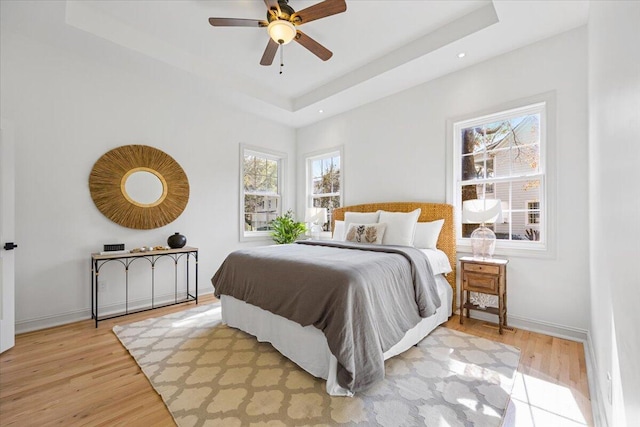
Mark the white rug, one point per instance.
(209, 374)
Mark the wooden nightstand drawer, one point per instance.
(482, 268)
(481, 283)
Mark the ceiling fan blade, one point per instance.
(237, 22)
(317, 11)
(314, 47)
(273, 7)
(269, 52)
(272, 4)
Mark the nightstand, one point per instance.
(487, 276)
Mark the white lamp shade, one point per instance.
(479, 211)
(281, 31)
(316, 215)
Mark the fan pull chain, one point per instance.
(281, 57)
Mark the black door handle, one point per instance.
(10, 246)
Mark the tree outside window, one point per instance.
(324, 183)
(261, 191)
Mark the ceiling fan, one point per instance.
(281, 25)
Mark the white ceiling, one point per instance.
(379, 47)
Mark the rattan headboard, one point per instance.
(429, 212)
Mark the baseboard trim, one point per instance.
(44, 322)
(595, 391)
(540, 326)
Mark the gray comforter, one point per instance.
(362, 297)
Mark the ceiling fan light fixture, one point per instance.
(281, 31)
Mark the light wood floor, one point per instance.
(79, 375)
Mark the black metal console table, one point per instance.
(98, 260)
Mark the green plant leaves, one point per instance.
(285, 229)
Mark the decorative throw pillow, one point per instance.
(427, 233)
(400, 227)
(366, 233)
(359, 218)
(338, 230)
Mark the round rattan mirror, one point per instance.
(139, 187)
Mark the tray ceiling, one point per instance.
(379, 47)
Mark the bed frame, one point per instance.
(429, 212)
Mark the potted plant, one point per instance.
(285, 229)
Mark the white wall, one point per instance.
(68, 109)
(614, 155)
(395, 150)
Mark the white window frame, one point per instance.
(277, 156)
(545, 106)
(309, 158)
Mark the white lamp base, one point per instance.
(483, 242)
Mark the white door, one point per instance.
(7, 225)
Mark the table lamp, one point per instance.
(317, 217)
(482, 211)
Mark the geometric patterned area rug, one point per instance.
(209, 374)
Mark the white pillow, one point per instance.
(427, 233)
(400, 227)
(359, 218)
(365, 233)
(438, 260)
(338, 230)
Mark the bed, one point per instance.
(393, 329)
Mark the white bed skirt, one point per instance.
(307, 346)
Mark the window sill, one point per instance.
(257, 236)
(536, 250)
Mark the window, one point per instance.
(261, 186)
(324, 182)
(501, 156)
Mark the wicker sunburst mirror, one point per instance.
(110, 184)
